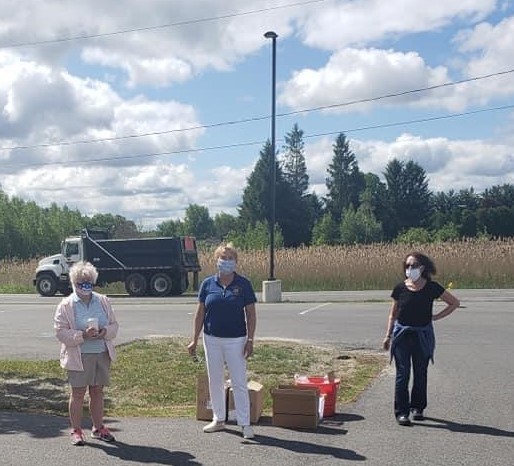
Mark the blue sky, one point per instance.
(138, 88)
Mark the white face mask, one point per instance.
(413, 273)
(226, 267)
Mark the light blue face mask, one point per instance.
(226, 267)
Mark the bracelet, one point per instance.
(249, 339)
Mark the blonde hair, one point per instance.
(83, 272)
(224, 249)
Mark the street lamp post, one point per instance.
(271, 289)
(273, 36)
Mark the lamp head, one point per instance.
(270, 35)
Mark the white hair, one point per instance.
(83, 272)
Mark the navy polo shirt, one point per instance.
(225, 307)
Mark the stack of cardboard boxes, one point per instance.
(294, 406)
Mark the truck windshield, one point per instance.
(72, 249)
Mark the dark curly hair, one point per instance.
(429, 269)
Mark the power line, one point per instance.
(401, 93)
(153, 28)
(253, 143)
(259, 118)
(413, 122)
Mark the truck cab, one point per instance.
(52, 272)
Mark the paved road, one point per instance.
(471, 410)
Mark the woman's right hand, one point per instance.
(386, 344)
(191, 348)
(90, 333)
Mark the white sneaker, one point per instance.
(248, 432)
(214, 426)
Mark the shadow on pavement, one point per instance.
(144, 454)
(38, 426)
(298, 446)
(33, 394)
(329, 426)
(466, 428)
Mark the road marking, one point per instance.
(313, 308)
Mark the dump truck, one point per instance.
(147, 266)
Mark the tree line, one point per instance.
(357, 208)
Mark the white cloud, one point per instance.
(43, 106)
(337, 24)
(488, 49)
(154, 190)
(355, 74)
(201, 34)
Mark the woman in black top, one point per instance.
(410, 334)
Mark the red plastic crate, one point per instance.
(326, 387)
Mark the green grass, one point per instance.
(158, 378)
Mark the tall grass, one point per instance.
(472, 263)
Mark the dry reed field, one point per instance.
(472, 263)
(464, 264)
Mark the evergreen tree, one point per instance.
(315, 206)
(374, 198)
(293, 165)
(295, 175)
(290, 211)
(408, 196)
(256, 202)
(498, 196)
(345, 181)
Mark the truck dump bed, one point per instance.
(142, 253)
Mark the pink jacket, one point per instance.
(71, 338)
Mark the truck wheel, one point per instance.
(66, 291)
(179, 284)
(135, 284)
(46, 284)
(160, 284)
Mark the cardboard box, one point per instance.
(295, 406)
(203, 399)
(256, 393)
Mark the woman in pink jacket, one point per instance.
(85, 324)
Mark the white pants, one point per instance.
(219, 351)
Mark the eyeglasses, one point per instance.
(414, 265)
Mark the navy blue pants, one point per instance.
(408, 353)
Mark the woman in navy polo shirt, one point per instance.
(226, 312)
